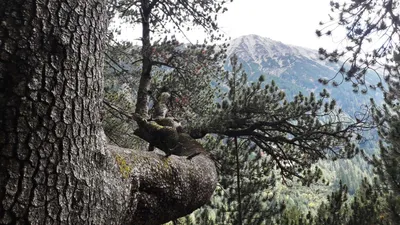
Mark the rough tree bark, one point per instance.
(54, 167)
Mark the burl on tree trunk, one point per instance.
(54, 167)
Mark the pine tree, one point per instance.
(368, 206)
(335, 210)
(387, 164)
(366, 22)
(247, 180)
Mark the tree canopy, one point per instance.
(371, 41)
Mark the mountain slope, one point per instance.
(296, 69)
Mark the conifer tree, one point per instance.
(295, 134)
(247, 180)
(368, 207)
(335, 210)
(365, 22)
(387, 164)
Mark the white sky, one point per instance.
(288, 21)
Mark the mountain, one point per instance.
(267, 55)
(297, 69)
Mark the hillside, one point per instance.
(296, 69)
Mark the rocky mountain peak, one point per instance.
(257, 49)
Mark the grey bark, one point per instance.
(145, 78)
(54, 167)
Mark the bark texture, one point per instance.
(54, 167)
(165, 188)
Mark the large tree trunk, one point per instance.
(54, 167)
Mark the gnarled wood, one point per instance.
(165, 188)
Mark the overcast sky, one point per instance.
(288, 21)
